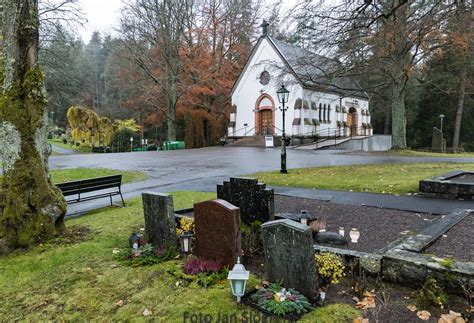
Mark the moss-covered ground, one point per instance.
(77, 278)
(384, 178)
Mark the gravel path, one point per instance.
(378, 227)
(457, 243)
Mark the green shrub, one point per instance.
(121, 140)
(431, 296)
(252, 243)
(330, 267)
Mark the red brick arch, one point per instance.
(259, 108)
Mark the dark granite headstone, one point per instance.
(217, 231)
(255, 201)
(289, 254)
(160, 225)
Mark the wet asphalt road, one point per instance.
(202, 169)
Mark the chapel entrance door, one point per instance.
(352, 121)
(266, 122)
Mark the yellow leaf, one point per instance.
(412, 307)
(423, 315)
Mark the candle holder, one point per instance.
(354, 234)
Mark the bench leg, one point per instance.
(110, 199)
(123, 202)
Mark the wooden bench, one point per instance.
(82, 188)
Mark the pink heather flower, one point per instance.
(293, 298)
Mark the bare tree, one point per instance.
(32, 208)
(380, 42)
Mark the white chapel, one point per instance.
(319, 103)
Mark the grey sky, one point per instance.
(102, 15)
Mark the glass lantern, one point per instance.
(238, 277)
(186, 240)
(354, 234)
(341, 231)
(304, 217)
(134, 241)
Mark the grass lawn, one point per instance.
(80, 280)
(419, 153)
(74, 174)
(59, 143)
(386, 178)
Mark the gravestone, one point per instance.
(289, 254)
(438, 143)
(160, 225)
(255, 201)
(217, 231)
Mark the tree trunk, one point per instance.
(32, 208)
(398, 116)
(388, 120)
(462, 94)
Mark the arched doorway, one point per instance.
(352, 120)
(265, 115)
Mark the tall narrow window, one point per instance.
(329, 113)
(324, 112)
(320, 111)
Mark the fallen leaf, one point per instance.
(258, 287)
(177, 283)
(412, 307)
(115, 250)
(366, 303)
(423, 315)
(470, 310)
(405, 232)
(147, 312)
(360, 320)
(455, 313)
(355, 299)
(406, 297)
(119, 303)
(369, 294)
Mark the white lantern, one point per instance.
(354, 234)
(238, 277)
(341, 231)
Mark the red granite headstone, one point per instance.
(217, 231)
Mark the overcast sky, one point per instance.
(102, 15)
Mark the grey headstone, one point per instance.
(256, 202)
(160, 225)
(289, 254)
(438, 143)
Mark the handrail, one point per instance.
(335, 133)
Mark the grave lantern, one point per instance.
(186, 239)
(354, 234)
(134, 241)
(341, 231)
(238, 277)
(304, 217)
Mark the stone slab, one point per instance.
(160, 225)
(447, 186)
(420, 241)
(217, 231)
(289, 254)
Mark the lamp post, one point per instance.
(131, 144)
(283, 94)
(441, 116)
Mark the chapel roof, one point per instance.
(316, 72)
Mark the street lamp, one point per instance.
(131, 144)
(441, 116)
(283, 94)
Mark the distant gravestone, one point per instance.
(217, 231)
(160, 225)
(255, 201)
(438, 143)
(289, 254)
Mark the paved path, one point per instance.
(63, 151)
(203, 169)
